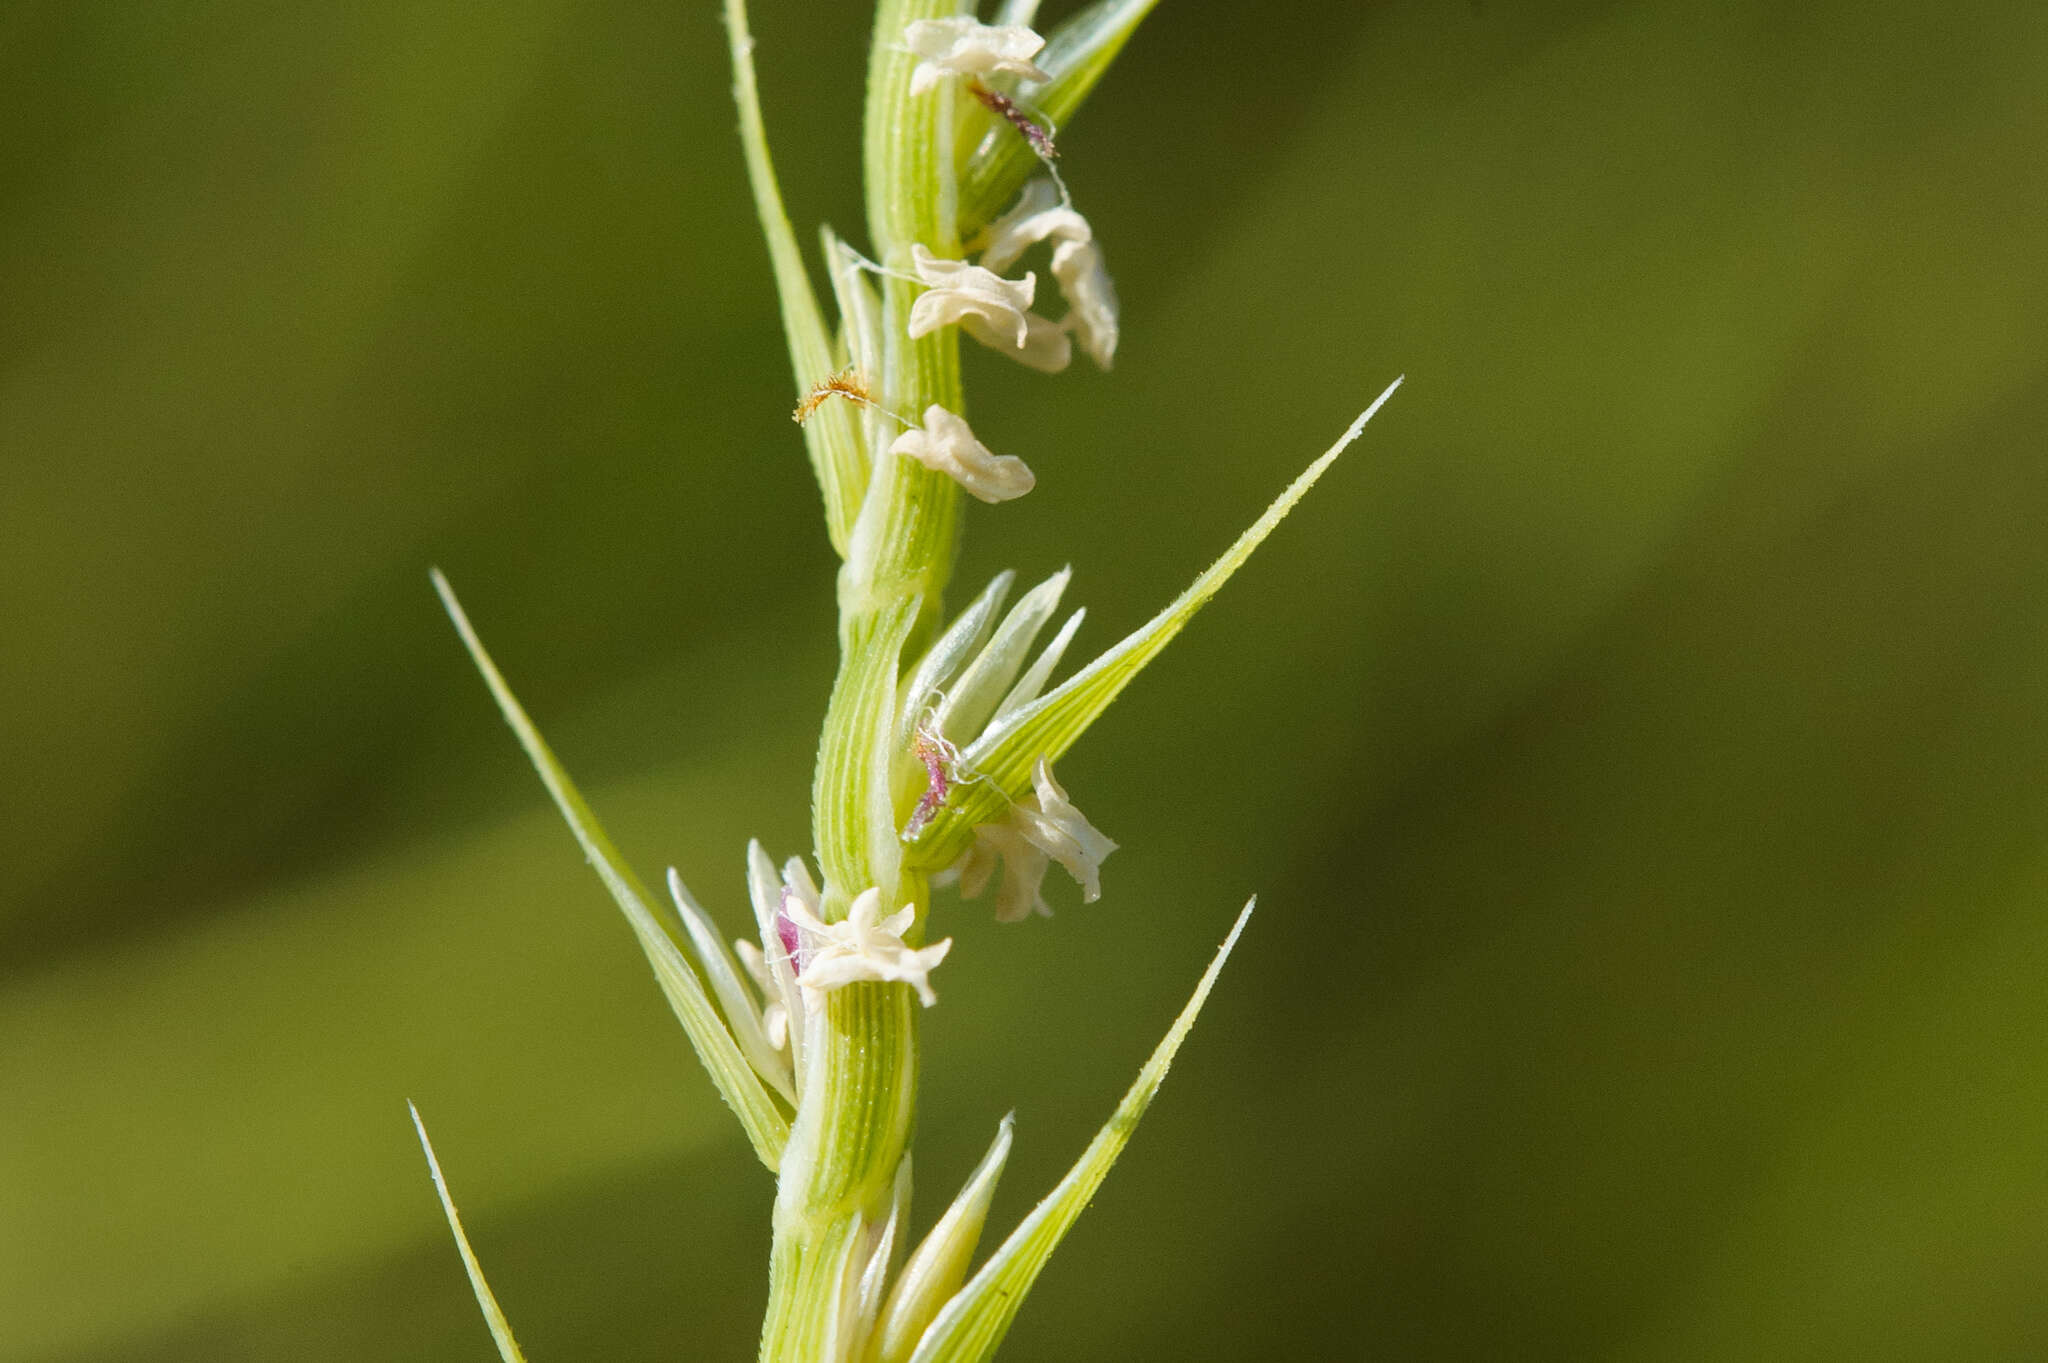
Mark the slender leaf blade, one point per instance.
(939, 1264)
(742, 1089)
(961, 640)
(501, 1329)
(1035, 677)
(974, 1322)
(741, 1015)
(861, 336)
(832, 434)
(1049, 726)
(973, 695)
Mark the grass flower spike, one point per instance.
(935, 759)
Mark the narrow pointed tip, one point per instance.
(444, 590)
(1352, 432)
(998, 1149)
(1056, 584)
(494, 1316)
(685, 903)
(1244, 916)
(427, 1148)
(974, 1320)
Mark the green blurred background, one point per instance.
(1636, 742)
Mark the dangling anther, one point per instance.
(847, 383)
(1006, 108)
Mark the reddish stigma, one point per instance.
(936, 756)
(786, 930)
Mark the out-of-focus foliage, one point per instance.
(1637, 743)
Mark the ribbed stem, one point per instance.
(839, 1174)
(911, 527)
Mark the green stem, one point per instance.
(838, 1178)
(911, 527)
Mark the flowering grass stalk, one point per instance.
(936, 757)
